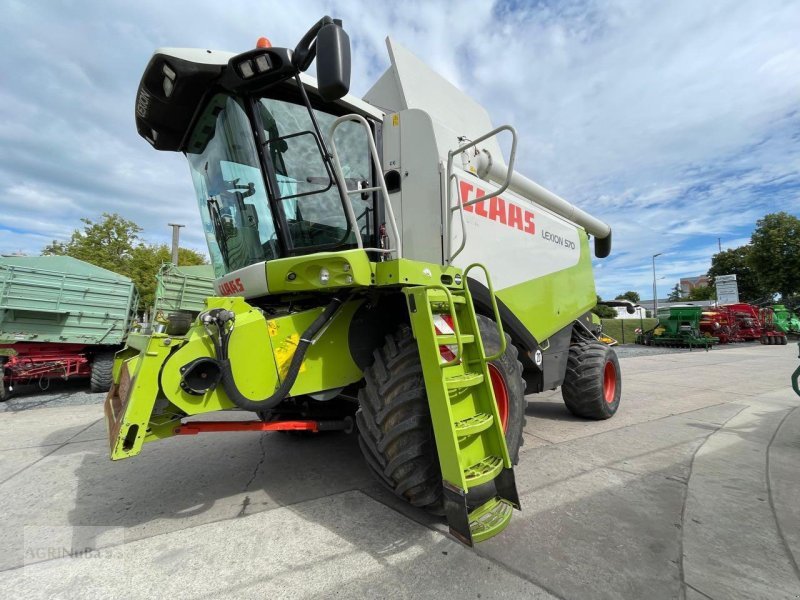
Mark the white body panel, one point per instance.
(248, 282)
(515, 239)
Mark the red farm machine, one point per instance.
(60, 318)
(745, 319)
(716, 323)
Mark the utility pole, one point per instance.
(655, 291)
(175, 237)
(719, 243)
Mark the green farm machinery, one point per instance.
(348, 239)
(678, 327)
(786, 320)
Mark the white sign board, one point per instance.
(727, 289)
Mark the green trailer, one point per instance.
(61, 317)
(677, 327)
(181, 292)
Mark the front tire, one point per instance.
(592, 386)
(102, 372)
(394, 422)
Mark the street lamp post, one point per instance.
(655, 291)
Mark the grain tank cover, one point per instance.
(63, 299)
(410, 83)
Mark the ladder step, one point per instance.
(483, 471)
(462, 381)
(474, 424)
(489, 519)
(436, 296)
(446, 340)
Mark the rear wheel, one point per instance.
(394, 422)
(593, 383)
(101, 376)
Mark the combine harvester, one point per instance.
(61, 318)
(377, 261)
(677, 327)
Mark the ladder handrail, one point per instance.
(378, 175)
(451, 307)
(451, 176)
(495, 309)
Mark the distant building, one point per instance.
(689, 283)
(639, 312)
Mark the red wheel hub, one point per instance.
(500, 394)
(609, 382)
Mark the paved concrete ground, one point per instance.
(691, 491)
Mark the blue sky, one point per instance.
(677, 122)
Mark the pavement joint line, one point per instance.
(70, 441)
(703, 594)
(56, 449)
(475, 550)
(213, 521)
(670, 416)
(786, 546)
(681, 569)
(537, 436)
(517, 573)
(612, 467)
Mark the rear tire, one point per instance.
(593, 383)
(395, 432)
(102, 372)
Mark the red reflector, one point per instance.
(263, 43)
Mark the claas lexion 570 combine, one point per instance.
(378, 266)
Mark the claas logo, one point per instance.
(497, 209)
(229, 288)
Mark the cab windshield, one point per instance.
(257, 206)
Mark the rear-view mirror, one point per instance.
(333, 61)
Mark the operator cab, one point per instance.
(256, 135)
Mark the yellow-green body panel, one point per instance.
(549, 303)
(250, 353)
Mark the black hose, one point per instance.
(229, 384)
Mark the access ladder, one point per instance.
(470, 440)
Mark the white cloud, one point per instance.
(676, 121)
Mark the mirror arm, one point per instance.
(305, 50)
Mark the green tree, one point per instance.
(702, 292)
(735, 262)
(775, 253)
(675, 294)
(632, 296)
(108, 243)
(603, 311)
(113, 243)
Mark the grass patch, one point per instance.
(624, 330)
